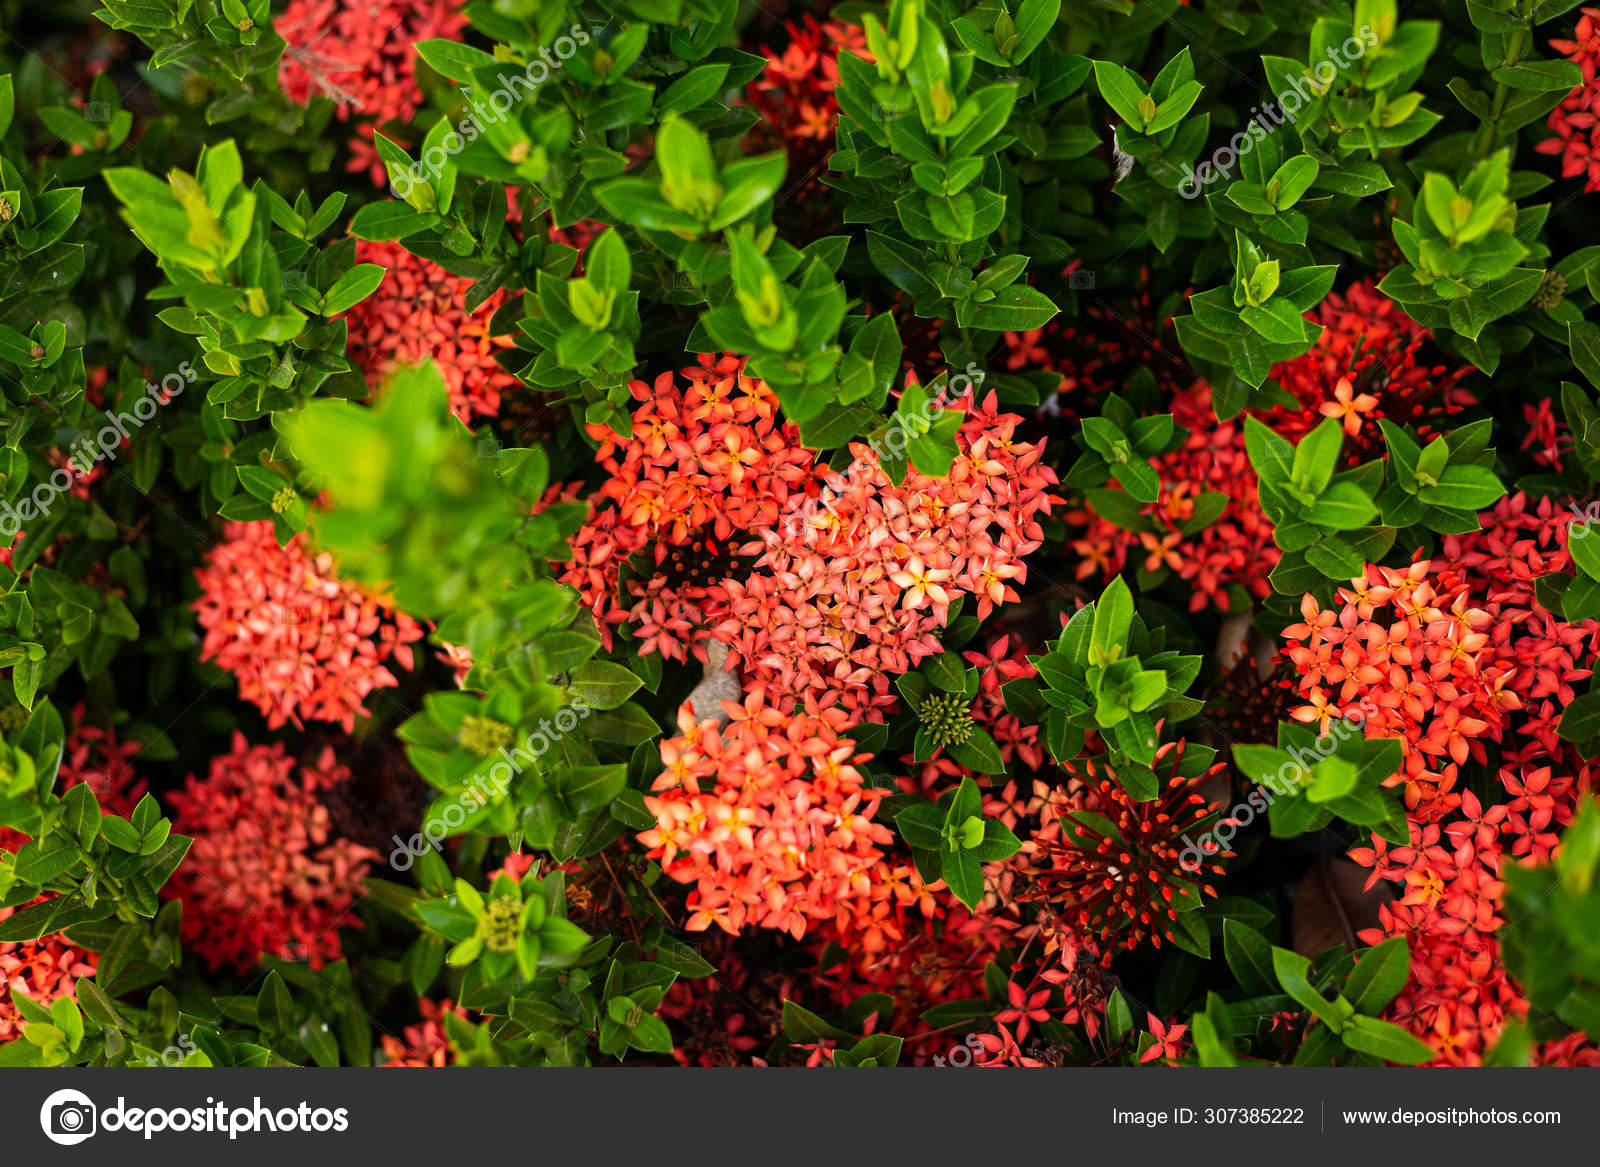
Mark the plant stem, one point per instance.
(1489, 132)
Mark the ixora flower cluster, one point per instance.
(822, 585)
(266, 873)
(360, 56)
(768, 818)
(419, 313)
(1574, 120)
(301, 642)
(699, 536)
(1458, 655)
(1364, 367)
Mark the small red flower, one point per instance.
(265, 873)
(1169, 1040)
(301, 642)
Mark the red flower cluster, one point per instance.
(1409, 661)
(1109, 867)
(767, 817)
(939, 957)
(822, 585)
(1365, 367)
(425, 1044)
(93, 754)
(1235, 549)
(705, 465)
(1458, 994)
(301, 641)
(1573, 121)
(419, 313)
(795, 91)
(360, 54)
(1548, 436)
(43, 970)
(1447, 656)
(855, 586)
(265, 874)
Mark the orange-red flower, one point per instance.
(43, 970)
(419, 313)
(768, 817)
(1577, 140)
(360, 54)
(265, 873)
(301, 642)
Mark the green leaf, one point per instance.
(1119, 1016)
(1378, 977)
(1540, 76)
(1584, 545)
(351, 288)
(1018, 308)
(978, 753)
(1171, 111)
(1580, 720)
(921, 825)
(1278, 321)
(120, 833)
(1270, 453)
(999, 842)
(1343, 506)
(1386, 1040)
(453, 59)
(1292, 969)
(1249, 955)
(1113, 617)
(963, 875)
(1584, 338)
(802, 1025)
(1464, 486)
(1336, 559)
(389, 220)
(1122, 90)
(604, 684)
(1292, 180)
(689, 92)
(1139, 479)
(274, 1006)
(1034, 20)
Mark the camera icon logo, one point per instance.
(68, 1117)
